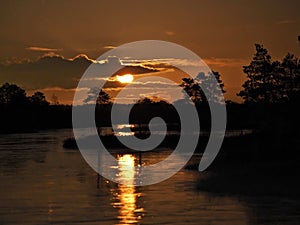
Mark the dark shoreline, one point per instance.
(255, 166)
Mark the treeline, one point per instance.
(22, 113)
(271, 81)
(265, 162)
(270, 94)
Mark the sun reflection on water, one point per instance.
(127, 195)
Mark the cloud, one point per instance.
(163, 63)
(170, 33)
(109, 47)
(51, 54)
(132, 93)
(42, 49)
(85, 57)
(54, 73)
(59, 89)
(167, 63)
(153, 84)
(287, 22)
(50, 70)
(148, 85)
(226, 62)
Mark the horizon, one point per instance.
(81, 62)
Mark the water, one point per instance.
(42, 183)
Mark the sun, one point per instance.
(127, 78)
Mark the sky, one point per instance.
(47, 45)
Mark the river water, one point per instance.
(42, 183)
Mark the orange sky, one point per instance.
(223, 33)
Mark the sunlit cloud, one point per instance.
(113, 89)
(79, 56)
(170, 33)
(42, 49)
(156, 83)
(84, 56)
(109, 47)
(173, 62)
(98, 78)
(63, 89)
(50, 55)
(162, 63)
(61, 75)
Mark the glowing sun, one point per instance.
(127, 78)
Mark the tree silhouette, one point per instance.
(11, 94)
(192, 88)
(204, 87)
(254, 86)
(149, 107)
(212, 86)
(290, 76)
(102, 97)
(151, 100)
(270, 82)
(38, 99)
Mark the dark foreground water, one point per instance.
(42, 183)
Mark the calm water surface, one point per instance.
(42, 183)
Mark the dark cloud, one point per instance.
(47, 71)
(53, 70)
